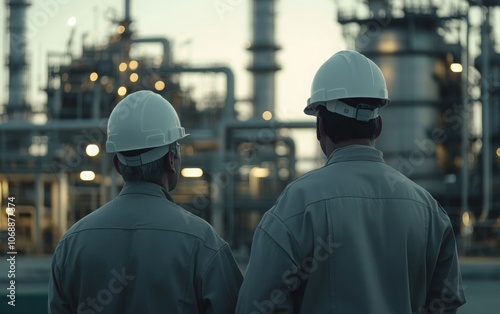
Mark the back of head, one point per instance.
(348, 91)
(143, 120)
(142, 129)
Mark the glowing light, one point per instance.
(456, 67)
(267, 115)
(67, 87)
(498, 152)
(121, 29)
(389, 43)
(93, 76)
(72, 21)
(192, 172)
(133, 65)
(92, 150)
(281, 149)
(284, 173)
(87, 175)
(123, 67)
(10, 211)
(159, 85)
(258, 172)
(39, 119)
(467, 219)
(122, 91)
(134, 77)
(39, 146)
(109, 88)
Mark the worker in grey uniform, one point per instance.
(354, 236)
(142, 253)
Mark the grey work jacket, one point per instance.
(141, 253)
(354, 237)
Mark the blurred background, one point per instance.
(238, 72)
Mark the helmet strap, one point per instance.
(144, 158)
(361, 112)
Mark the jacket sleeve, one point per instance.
(446, 291)
(57, 303)
(221, 280)
(272, 275)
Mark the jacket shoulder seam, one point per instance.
(289, 231)
(351, 196)
(157, 229)
(217, 252)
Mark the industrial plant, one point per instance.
(233, 170)
(442, 128)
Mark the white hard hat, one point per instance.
(143, 120)
(347, 74)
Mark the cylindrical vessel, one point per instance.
(263, 50)
(16, 105)
(411, 54)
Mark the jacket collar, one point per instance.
(355, 153)
(148, 188)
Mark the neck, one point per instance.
(331, 147)
(165, 184)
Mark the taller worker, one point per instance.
(354, 236)
(142, 253)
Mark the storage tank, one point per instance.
(415, 61)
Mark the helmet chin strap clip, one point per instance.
(362, 112)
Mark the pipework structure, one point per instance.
(232, 173)
(427, 127)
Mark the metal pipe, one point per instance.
(485, 99)
(201, 134)
(274, 125)
(229, 111)
(167, 51)
(127, 11)
(39, 212)
(66, 125)
(54, 218)
(465, 116)
(96, 102)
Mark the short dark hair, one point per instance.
(339, 128)
(151, 172)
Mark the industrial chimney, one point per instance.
(16, 21)
(264, 48)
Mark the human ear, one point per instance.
(170, 161)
